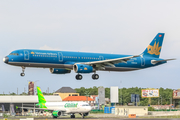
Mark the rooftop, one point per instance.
(28, 99)
(65, 90)
(78, 98)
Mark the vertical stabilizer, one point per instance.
(41, 98)
(154, 48)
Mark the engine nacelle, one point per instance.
(59, 71)
(81, 68)
(56, 114)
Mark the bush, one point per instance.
(151, 109)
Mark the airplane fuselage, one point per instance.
(66, 60)
(69, 107)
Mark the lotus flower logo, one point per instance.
(154, 49)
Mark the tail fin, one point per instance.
(154, 48)
(41, 98)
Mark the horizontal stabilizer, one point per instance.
(157, 61)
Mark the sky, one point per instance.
(102, 26)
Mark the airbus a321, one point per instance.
(63, 62)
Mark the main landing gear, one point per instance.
(79, 77)
(94, 76)
(23, 69)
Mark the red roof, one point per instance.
(77, 98)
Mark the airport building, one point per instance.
(10, 103)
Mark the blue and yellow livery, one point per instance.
(62, 62)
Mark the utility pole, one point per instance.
(121, 92)
(158, 103)
(24, 90)
(35, 87)
(170, 103)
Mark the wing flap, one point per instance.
(110, 62)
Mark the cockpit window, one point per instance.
(14, 54)
(85, 105)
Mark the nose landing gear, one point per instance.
(23, 69)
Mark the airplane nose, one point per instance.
(6, 60)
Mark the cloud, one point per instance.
(45, 47)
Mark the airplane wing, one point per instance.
(31, 108)
(110, 62)
(157, 61)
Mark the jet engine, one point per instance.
(81, 68)
(59, 71)
(56, 114)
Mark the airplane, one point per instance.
(62, 62)
(61, 108)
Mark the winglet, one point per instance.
(136, 55)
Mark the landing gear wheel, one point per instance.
(54, 117)
(79, 77)
(22, 74)
(95, 76)
(23, 69)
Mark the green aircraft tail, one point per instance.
(41, 99)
